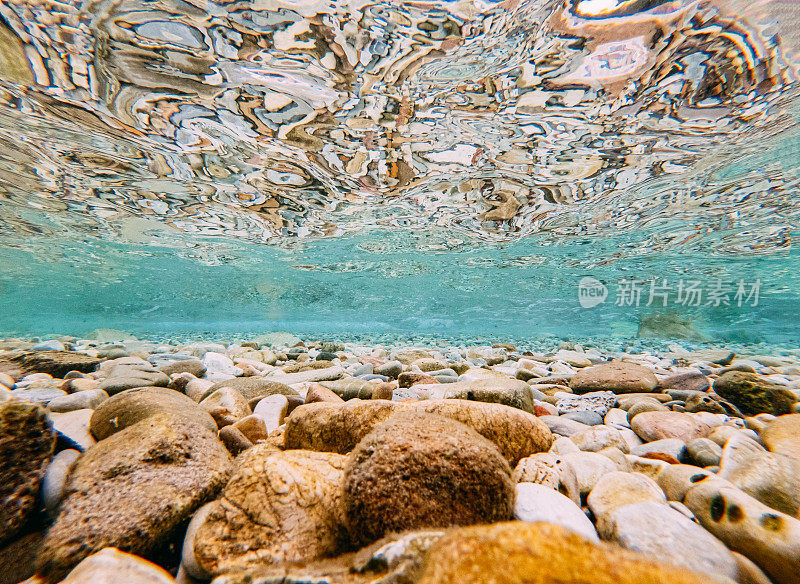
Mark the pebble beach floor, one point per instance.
(281, 460)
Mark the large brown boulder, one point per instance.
(420, 470)
(133, 490)
(516, 433)
(753, 394)
(542, 553)
(331, 427)
(27, 443)
(617, 376)
(278, 507)
(134, 405)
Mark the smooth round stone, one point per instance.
(689, 381)
(670, 446)
(630, 437)
(113, 565)
(599, 402)
(390, 369)
(721, 434)
(704, 452)
(542, 468)
(616, 418)
(55, 479)
(782, 435)
(39, 395)
(597, 438)
(253, 428)
(768, 537)
(676, 479)
(616, 489)
(563, 426)
(540, 503)
(188, 560)
(82, 400)
(374, 377)
(659, 531)
(652, 426)
(7, 381)
(588, 467)
(446, 378)
(588, 418)
(617, 376)
(272, 409)
(563, 445)
(643, 405)
(229, 401)
(217, 363)
(73, 428)
(49, 346)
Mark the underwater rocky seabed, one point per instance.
(283, 460)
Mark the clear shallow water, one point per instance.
(404, 168)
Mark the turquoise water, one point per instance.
(372, 169)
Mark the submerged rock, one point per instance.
(331, 427)
(133, 489)
(768, 537)
(111, 565)
(782, 436)
(661, 532)
(539, 503)
(134, 405)
(27, 443)
(771, 478)
(419, 470)
(278, 507)
(617, 376)
(520, 553)
(753, 394)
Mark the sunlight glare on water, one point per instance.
(446, 168)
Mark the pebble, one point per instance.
(588, 468)
(672, 447)
(704, 452)
(113, 565)
(597, 438)
(616, 376)
(659, 531)
(73, 428)
(599, 402)
(318, 467)
(219, 366)
(652, 426)
(782, 436)
(587, 418)
(617, 489)
(89, 399)
(563, 426)
(540, 503)
(272, 409)
(617, 418)
(55, 479)
(768, 537)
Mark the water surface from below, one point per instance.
(452, 168)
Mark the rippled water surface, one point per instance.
(452, 168)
